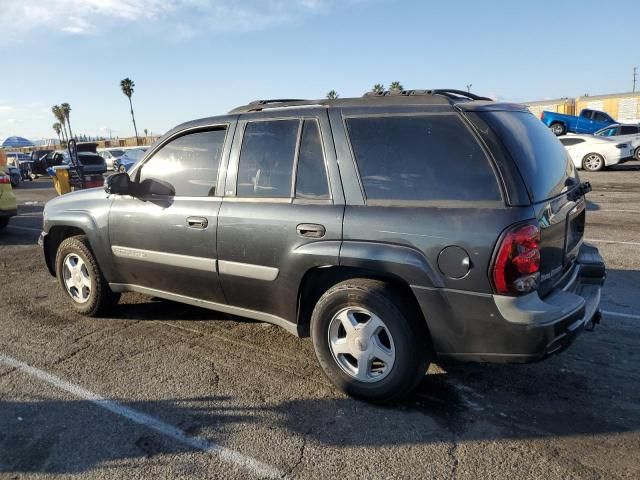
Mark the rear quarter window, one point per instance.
(432, 158)
(543, 162)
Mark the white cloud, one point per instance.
(183, 17)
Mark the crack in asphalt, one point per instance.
(298, 462)
(452, 452)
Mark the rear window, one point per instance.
(542, 160)
(421, 158)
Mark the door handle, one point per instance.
(197, 222)
(311, 230)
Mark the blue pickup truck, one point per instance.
(589, 121)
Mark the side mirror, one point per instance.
(118, 183)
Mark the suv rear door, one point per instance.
(164, 237)
(282, 211)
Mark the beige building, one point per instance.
(623, 107)
(559, 105)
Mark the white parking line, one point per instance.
(233, 457)
(25, 228)
(610, 241)
(623, 315)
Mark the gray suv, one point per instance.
(394, 229)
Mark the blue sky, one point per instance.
(195, 58)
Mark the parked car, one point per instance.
(39, 163)
(393, 229)
(91, 162)
(594, 153)
(8, 206)
(110, 155)
(624, 133)
(130, 157)
(589, 121)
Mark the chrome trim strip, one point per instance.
(248, 270)
(220, 307)
(172, 259)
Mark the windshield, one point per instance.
(116, 153)
(542, 160)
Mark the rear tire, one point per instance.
(122, 169)
(558, 129)
(81, 279)
(4, 221)
(368, 341)
(636, 154)
(593, 162)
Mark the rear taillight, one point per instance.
(516, 266)
(4, 179)
(541, 115)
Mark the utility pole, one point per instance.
(635, 76)
(469, 87)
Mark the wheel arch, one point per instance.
(316, 281)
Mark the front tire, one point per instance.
(593, 162)
(368, 341)
(122, 169)
(81, 279)
(4, 221)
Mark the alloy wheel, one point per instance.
(361, 344)
(76, 277)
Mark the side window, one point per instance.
(421, 158)
(187, 166)
(311, 177)
(266, 159)
(628, 130)
(600, 116)
(567, 142)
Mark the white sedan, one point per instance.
(623, 133)
(595, 153)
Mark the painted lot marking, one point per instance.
(623, 315)
(227, 455)
(610, 241)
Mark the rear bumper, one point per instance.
(495, 328)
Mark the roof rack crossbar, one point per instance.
(447, 92)
(258, 105)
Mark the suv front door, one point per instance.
(163, 237)
(282, 211)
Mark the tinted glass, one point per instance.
(600, 117)
(311, 179)
(628, 130)
(542, 160)
(417, 158)
(266, 158)
(189, 164)
(609, 132)
(567, 142)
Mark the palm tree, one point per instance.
(332, 95)
(378, 88)
(127, 85)
(146, 132)
(57, 112)
(58, 128)
(396, 86)
(66, 110)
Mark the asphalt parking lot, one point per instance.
(170, 390)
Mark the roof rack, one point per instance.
(258, 105)
(447, 92)
(437, 95)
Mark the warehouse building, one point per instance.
(623, 107)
